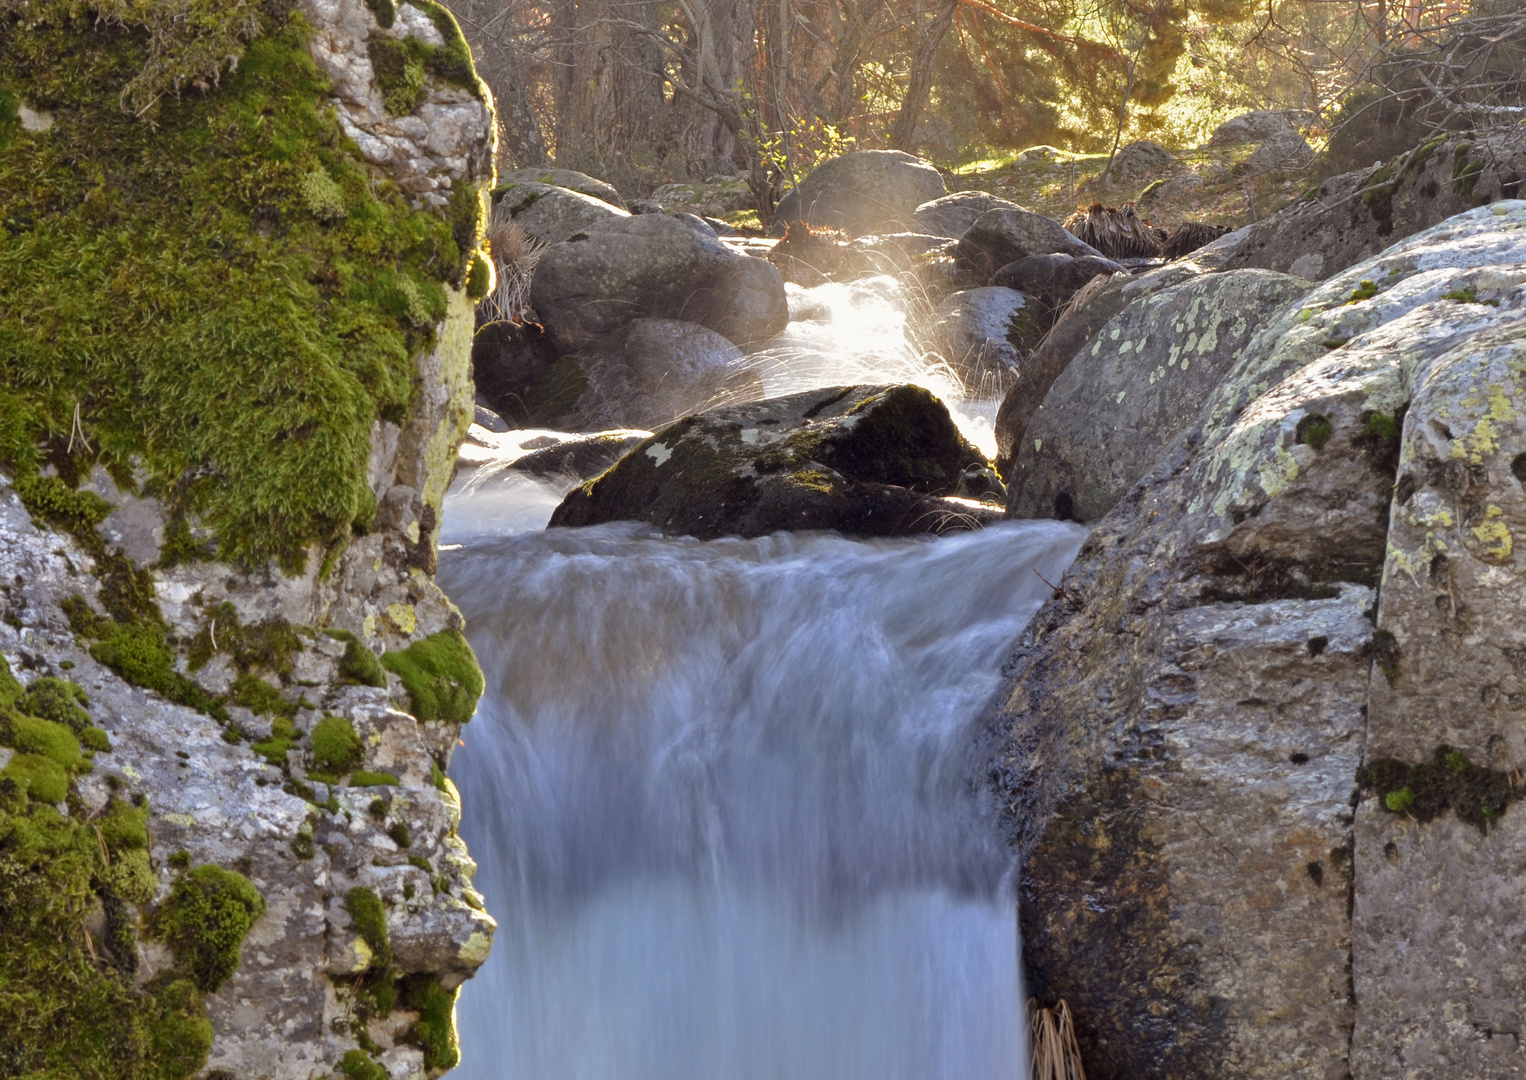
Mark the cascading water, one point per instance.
(721, 794)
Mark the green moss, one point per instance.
(441, 676)
(40, 777)
(56, 742)
(479, 277)
(269, 646)
(63, 1012)
(370, 917)
(140, 257)
(336, 745)
(400, 835)
(95, 740)
(359, 664)
(1366, 290)
(399, 68)
(282, 736)
(1465, 172)
(366, 778)
(303, 846)
(1385, 650)
(11, 691)
(358, 1065)
(257, 695)
(1449, 781)
(386, 12)
(205, 920)
(139, 651)
(58, 700)
(49, 499)
(1314, 430)
(435, 1030)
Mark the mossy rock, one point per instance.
(440, 675)
(336, 746)
(205, 921)
(865, 460)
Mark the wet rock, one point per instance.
(864, 460)
(1001, 236)
(582, 458)
(1051, 280)
(680, 367)
(1141, 382)
(985, 333)
(565, 178)
(1256, 126)
(588, 291)
(1178, 744)
(867, 191)
(952, 215)
(550, 213)
(513, 368)
(1354, 216)
(897, 253)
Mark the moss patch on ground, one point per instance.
(240, 226)
(441, 676)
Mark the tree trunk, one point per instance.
(919, 87)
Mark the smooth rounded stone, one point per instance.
(897, 253)
(1284, 150)
(588, 291)
(1051, 280)
(549, 213)
(1253, 127)
(952, 215)
(1003, 236)
(681, 367)
(1142, 382)
(985, 333)
(486, 418)
(1140, 161)
(868, 191)
(566, 178)
(1353, 216)
(1165, 192)
(864, 460)
(512, 365)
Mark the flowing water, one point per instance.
(722, 798)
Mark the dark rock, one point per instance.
(1143, 380)
(486, 418)
(513, 366)
(984, 334)
(867, 191)
(588, 290)
(581, 458)
(1002, 236)
(864, 460)
(1051, 280)
(1353, 216)
(952, 215)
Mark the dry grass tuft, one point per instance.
(1052, 1043)
(514, 252)
(1116, 231)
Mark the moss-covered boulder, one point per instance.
(864, 460)
(570, 179)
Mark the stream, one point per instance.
(722, 793)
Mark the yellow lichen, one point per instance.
(1494, 534)
(403, 617)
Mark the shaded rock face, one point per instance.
(588, 291)
(1053, 279)
(1354, 216)
(984, 335)
(1123, 400)
(952, 215)
(548, 212)
(288, 1011)
(867, 191)
(1186, 723)
(865, 460)
(565, 178)
(512, 367)
(1001, 236)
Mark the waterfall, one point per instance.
(721, 797)
(723, 794)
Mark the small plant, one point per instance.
(514, 253)
(370, 917)
(1053, 1051)
(359, 664)
(1364, 291)
(1314, 430)
(1399, 802)
(322, 196)
(358, 1065)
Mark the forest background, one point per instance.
(649, 92)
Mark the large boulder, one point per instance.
(1284, 150)
(1257, 126)
(550, 213)
(952, 215)
(590, 289)
(565, 178)
(867, 191)
(678, 368)
(1354, 216)
(1003, 236)
(510, 363)
(1052, 280)
(1139, 162)
(984, 334)
(716, 197)
(1087, 312)
(1142, 381)
(865, 460)
(1187, 718)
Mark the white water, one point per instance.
(721, 797)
